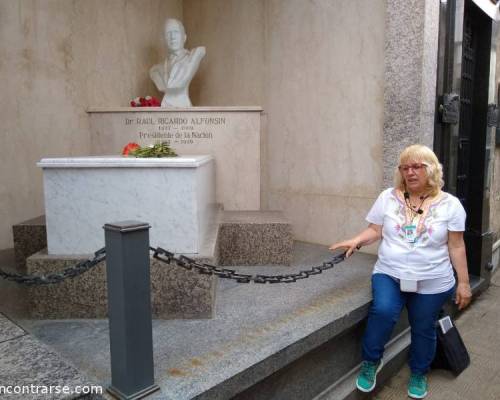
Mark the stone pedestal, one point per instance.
(174, 195)
(175, 292)
(255, 238)
(231, 134)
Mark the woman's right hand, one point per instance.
(366, 237)
(350, 245)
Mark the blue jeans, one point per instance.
(423, 312)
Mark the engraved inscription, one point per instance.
(175, 130)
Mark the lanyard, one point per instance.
(414, 212)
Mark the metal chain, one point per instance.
(70, 272)
(181, 261)
(206, 269)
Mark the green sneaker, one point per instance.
(367, 378)
(417, 386)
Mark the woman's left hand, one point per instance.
(463, 295)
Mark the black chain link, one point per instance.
(181, 261)
(206, 269)
(70, 272)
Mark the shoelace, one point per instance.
(368, 370)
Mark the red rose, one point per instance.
(148, 101)
(130, 148)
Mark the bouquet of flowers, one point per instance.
(157, 150)
(147, 101)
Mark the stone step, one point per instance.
(176, 293)
(267, 342)
(237, 238)
(255, 238)
(29, 237)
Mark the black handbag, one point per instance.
(451, 353)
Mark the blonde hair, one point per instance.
(424, 155)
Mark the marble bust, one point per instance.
(175, 74)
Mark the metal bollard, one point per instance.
(129, 309)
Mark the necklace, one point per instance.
(415, 211)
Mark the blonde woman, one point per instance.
(421, 232)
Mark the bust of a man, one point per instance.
(175, 74)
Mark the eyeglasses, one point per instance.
(405, 168)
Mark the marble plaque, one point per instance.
(230, 134)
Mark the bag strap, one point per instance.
(442, 314)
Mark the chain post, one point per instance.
(129, 310)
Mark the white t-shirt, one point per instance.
(427, 259)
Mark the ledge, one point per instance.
(96, 110)
(124, 162)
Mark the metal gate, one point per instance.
(462, 135)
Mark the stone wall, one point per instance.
(57, 58)
(317, 68)
(233, 70)
(411, 48)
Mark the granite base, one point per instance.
(29, 237)
(175, 292)
(255, 238)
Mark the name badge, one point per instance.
(408, 285)
(410, 233)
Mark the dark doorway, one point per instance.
(463, 143)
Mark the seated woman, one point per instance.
(421, 228)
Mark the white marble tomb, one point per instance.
(176, 196)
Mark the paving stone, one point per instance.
(9, 330)
(25, 362)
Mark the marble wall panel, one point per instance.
(318, 72)
(57, 57)
(324, 219)
(332, 124)
(233, 69)
(326, 60)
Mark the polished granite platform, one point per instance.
(257, 331)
